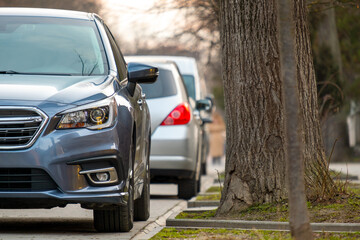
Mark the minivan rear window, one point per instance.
(163, 87)
(190, 85)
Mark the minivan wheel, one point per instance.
(118, 219)
(187, 188)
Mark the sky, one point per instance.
(132, 20)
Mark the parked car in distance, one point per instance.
(196, 88)
(74, 125)
(176, 139)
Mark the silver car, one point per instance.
(176, 130)
(196, 88)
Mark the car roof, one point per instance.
(186, 65)
(45, 12)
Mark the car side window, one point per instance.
(119, 59)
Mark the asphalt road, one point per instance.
(73, 222)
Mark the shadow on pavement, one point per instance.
(161, 196)
(51, 225)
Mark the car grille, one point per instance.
(25, 179)
(19, 127)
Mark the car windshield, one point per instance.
(45, 45)
(190, 85)
(163, 87)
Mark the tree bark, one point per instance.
(318, 183)
(255, 164)
(255, 154)
(299, 219)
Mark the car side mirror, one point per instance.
(140, 73)
(210, 97)
(203, 104)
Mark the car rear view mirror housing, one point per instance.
(211, 98)
(204, 104)
(141, 73)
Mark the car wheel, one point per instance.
(142, 205)
(203, 168)
(198, 184)
(118, 219)
(187, 188)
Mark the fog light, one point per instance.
(102, 176)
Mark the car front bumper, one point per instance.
(62, 154)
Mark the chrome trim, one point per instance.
(20, 119)
(113, 177)
(22, 137)
(6, 120)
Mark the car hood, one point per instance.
(75, 90)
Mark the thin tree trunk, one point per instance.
(299, 219)
(318, 183)
(327, 35)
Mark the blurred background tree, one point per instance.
(334, 27)
(335, 33)
(80, 5)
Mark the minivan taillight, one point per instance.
(179, 116)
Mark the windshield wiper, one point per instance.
(34, 73)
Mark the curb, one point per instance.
(199, 209)
(192, 203)
(155, 226)
(260, 225)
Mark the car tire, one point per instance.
(142, 205)
(198, 184)
(118, 219)
(203, 168)
(187, 188)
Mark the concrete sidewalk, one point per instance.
(347, 168)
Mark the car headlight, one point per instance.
(97, 115)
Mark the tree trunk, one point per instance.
(255, 160)
(327, 35)
(318, 183)
(299, 219)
